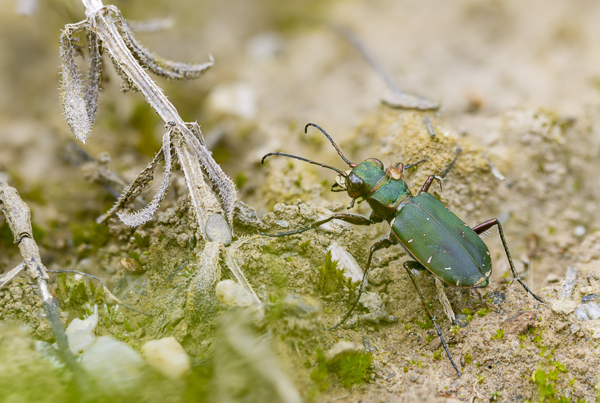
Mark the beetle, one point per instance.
(431, 234)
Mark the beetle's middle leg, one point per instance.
(484, 226)
(380, 244)
(410, 265)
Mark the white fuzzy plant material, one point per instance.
(108, 32)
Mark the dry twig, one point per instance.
(18, 216)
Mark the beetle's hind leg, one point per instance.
(409, 266)
(484, 226)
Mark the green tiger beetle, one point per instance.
(433, 236)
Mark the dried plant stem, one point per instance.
(18, 216)
(203, 199)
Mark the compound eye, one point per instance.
(355, 185)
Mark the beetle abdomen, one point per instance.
(442, 242)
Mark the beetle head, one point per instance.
(361, 179)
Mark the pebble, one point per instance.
(345, 261)
(589, 297)
(167, 357)
(589, 311)
(131, 265)
(80, 333)
(116, 367)
(497, 297)
(371, 301)
(519, 323)
(580, 230)
(230, 293)
(461, 320)
(282, 223)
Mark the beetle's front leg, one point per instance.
(355, 219)
(417, 266)
(380, 244)
(489, 224)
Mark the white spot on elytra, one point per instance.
(429, 260)
(427, 218)
(410, 240)
(488, 252)
(447, 268)
(457, 282)
(488, 273)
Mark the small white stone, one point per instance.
(589, 311)
(564, 307)
(345, 261)
(580, 230)
(230, 293)
(80, 333)
(167, 357)
(116, 367)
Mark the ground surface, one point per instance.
(519, 87)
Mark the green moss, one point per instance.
(425, 324)
(77, 293)
(483, 312)
(351, 369)
(303, 247)
(469, 314)
(499, 335)
(332, 279)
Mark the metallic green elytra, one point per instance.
(433, 236)
(442, 242)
